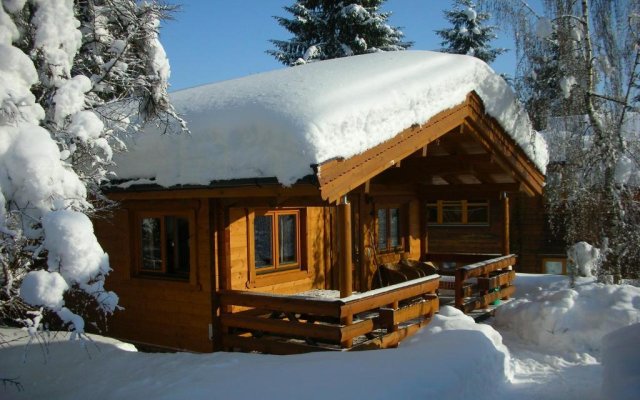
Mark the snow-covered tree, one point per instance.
(71, 74)
(589, 51)
(325, 29)
(468, 34)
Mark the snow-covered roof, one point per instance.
(280, 123)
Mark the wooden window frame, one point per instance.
(439, 204)
(562, 260)
(276, 274)
(139, 271)
(402, 227)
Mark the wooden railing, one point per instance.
(287, 324)
(480, 283)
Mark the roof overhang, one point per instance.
(337, 177)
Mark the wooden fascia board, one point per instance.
(338, 177)
(491, 135)
(276, 191)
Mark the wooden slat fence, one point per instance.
(481, 282)
(287, 324)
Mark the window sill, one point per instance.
(274, 278)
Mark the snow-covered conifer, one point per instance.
(468, 34)
(72, 72)
(325, 29)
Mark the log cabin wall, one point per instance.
(159, 310)
(532, 238)
(314, 235)
(467, 238)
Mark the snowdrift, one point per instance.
(431, 365)
(569, 321)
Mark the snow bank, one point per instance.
(570, 321)
(454, 359)
(279, 123)
(621, 362)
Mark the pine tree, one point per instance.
(74, 72)
(325, 29)
(469, 35)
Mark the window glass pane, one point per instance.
(451, 212)
(287, 239)
(477, 213)
(263, 236)
(382, 228)
(394, 226)
(177, 245)
(553, 267)
(151, 252)
(432, 213)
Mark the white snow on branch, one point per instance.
(57, 36)
(566, 84)
(69, 98)
(544, 28)
(73, 248)
(44, 288)
(471, 14)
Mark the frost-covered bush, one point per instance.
(65, 67)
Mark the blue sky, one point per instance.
(214, 40)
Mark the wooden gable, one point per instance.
(459, 148)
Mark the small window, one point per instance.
(458, 212)
(276, 241)
(165, 247)
(389, 225)
(555, 266)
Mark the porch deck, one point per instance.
(288, 324)
(380, 318)
(475, 282)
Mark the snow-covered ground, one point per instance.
(552, 342)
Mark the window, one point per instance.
(389, 224)
(557, 266)
(458, 212)
(164, 244)
(276, 241)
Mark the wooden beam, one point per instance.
(492, 137)
(300, 305)
(268, 346)
(391, 317)
(270, 190)
(485, 300)
(329, 333)
(387, 295)
(461, 192)
(506, 249)
(504, 278)
(338, 177)
(346, 275)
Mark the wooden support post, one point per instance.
(506, 250)
(346, 276)
(344, 222)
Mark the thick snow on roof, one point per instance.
(278, 124)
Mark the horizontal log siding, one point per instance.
(158, 311)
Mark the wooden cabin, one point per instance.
(251, 264)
